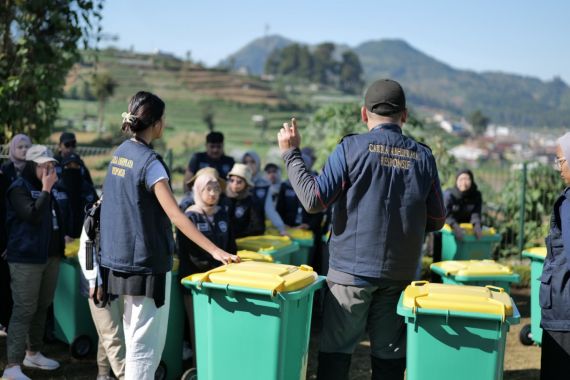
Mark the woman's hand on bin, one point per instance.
(224, 257)
(477, 231)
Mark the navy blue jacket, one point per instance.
(202, 160)
(136, 234)
(386, 195)
(554, 294)
(29, 240)
(245, 218)
(194, 259)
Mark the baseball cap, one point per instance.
(40, 154)
(215, 137)
(385, 97)
(67, 137)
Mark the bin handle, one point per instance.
(419, 283)
(493, 288)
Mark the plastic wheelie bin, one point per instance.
(476, 273)
(72, 318)
(305, 240)
(170, 366)
(280, 248)
(470, 248)
(253, 320)
(254, 256)
(533, 332)
(456, 332)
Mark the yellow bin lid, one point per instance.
(470, 299)
(537, 251)
(468, 229)
(254, 256)
(295, 233)
(72, 249)
(260, 275)
(473, 268)
(264, 242)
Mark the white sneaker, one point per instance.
(40, 361)
(14, 373)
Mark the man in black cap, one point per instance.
(385, 193)
(67, 146)
(213, 157)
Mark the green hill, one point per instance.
(436, 86)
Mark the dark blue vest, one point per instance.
(554, 294)
(29, 242)
(288, 205)
(259, 194)
(245, 219)
(136, 234)
(379, 222)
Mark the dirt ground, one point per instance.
(521, 362)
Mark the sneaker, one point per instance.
(14, 373)
(40, 361)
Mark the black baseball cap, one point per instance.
(385, 97)
(215, 137)
(67, 137)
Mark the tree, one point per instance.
(325, 65)
(479, 121)
(104, 86)
(38, 46)
(350, 75)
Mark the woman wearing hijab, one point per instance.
(463, 204)
(260, 192)
(554, 294)
(12, 169)
(246, 219)
(212, 221)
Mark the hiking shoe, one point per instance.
(14, 373)
(40, 361)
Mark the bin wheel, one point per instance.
(191, 374)
(81, 346)
(161, 371)
(525, 336)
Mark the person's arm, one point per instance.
(272, 214)
(191, 169)
(565, 227)
(316, 193)
(168, 203)
(476, 214)
(29, 209)
(434, 202)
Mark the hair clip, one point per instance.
(128, 117)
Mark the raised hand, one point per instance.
(289, 137)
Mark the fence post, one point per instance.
(522, 209)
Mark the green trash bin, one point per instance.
(305, 240)
(170, 366)
(456, 332)
(253, 320)
(280, 248)
(533, 332)
(476, 273)
(470, 248)
(72, 317)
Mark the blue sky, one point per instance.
(523, 37)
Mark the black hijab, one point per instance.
(471, 192)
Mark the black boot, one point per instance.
(388, 369)
(333, 366)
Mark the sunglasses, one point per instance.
(236, 180)
(70, 144)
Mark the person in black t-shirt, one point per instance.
(213, 157)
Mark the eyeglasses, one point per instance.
(70, 144)
(558, 162)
